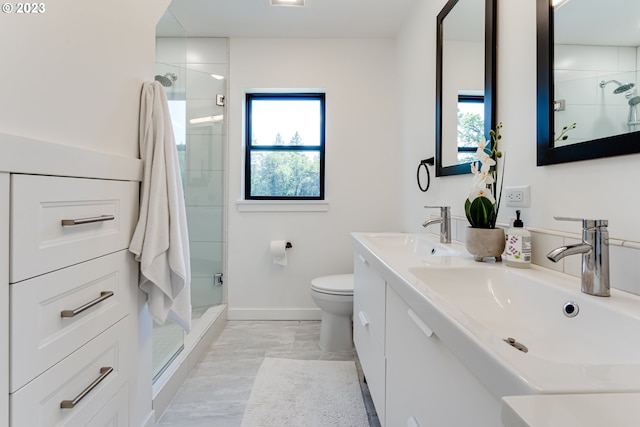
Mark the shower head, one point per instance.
(167, 80)
(634, 101)
(622, 88)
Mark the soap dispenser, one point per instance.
(518, 245)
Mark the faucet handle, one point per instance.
(586, 223)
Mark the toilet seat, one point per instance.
(337, 284)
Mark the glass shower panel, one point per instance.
(205, 181)
(171, 53)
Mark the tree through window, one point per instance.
(285, 146)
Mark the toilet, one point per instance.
(334, 295)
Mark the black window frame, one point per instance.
(249, 147)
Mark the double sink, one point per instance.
(519, 331)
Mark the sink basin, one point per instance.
(409, 244)
(528, 306)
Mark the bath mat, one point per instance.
(309, 393)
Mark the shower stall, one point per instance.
(193, 73)
(631, 95)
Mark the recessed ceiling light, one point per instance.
(287, 2)
(217, 76)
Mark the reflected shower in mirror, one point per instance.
(465, 82)
(588, 67)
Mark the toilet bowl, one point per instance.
(334, 295)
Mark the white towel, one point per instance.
(160, 240)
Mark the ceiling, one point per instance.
(598, 22)
(257, 18)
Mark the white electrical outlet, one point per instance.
(518, 196)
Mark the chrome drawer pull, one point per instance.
(103, 296)
(79, 221)
(68, 404)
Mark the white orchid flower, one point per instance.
(482, 179)
(481, 192)
(487, 162)
(474, 168)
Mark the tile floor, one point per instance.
(217, 390)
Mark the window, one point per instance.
(470, 126)
(285, 146)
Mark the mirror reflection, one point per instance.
(464, 82)
(595, 69)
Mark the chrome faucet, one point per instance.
(444, 221)
(595, 255)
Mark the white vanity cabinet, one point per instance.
(369, 328)
(426, 384)
(72, 293)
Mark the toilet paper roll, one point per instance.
(279, 252)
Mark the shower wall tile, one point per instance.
(205, 222)
(206, 51)
(198, 108)
(205, 152)
(627, 59)
(586, 57)
(204, 188)
(219, 69)
(203, 290)
(201, 85)
(170, 50)
(579, 90)
(206, 258)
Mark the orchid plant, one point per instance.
(482, 205)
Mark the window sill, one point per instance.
(282, 205)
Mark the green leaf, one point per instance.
(480, 212)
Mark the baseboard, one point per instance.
(274, 314)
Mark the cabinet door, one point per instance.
(426, 384)
(369, 289)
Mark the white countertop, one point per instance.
(29, 156)
(572, 410)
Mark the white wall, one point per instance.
(362, 168)
(73, 74)
(597, 189)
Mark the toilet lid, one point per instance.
(339, 284)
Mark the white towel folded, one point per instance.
(160, 240)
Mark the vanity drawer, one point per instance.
(38, 404)
(370, 289)
(371, 358)
(115, 413)
(41, 336)
(104, 212)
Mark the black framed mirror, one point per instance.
(587, 74)
(465, 82)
